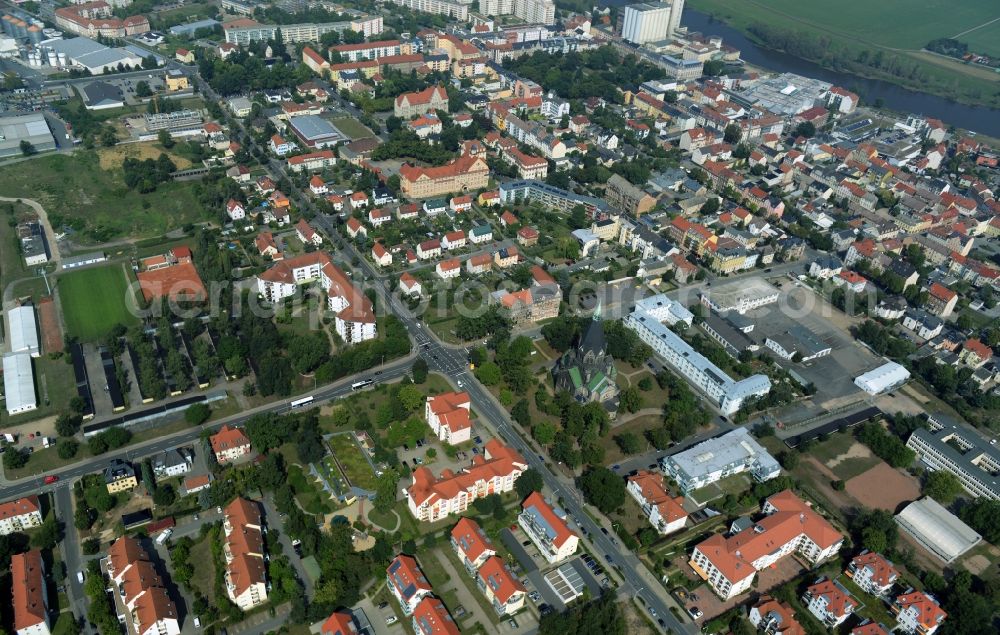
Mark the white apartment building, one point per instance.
(729, 562)
(665, 513)
(448, 417)
(547, 529)
(535, 11)
(355, 315)
(713, 459)
(829, 602)
(665, 309)
(432, 498)
(456, 10)
(407, 583)
(20, 514)
(918, 613)
(872, 573)
(695, 367)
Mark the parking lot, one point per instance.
(833, 375)
(415, 456)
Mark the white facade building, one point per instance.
(882, 379)
(695, 367)
(714, 459)
(23, 331)
(19, 383)
(646, 22)
(20, 514)
(547, 529)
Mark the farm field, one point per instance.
(914, 24)
(77, 192)
(94, 300)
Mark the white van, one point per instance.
(164, 536)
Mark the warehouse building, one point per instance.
(316, 132)
(882, 379)
(90, 55)
(936, 529)
(19, 383)
(965, 454)
(23, 330)
(740, 296)
(714, 459)
(31, 128)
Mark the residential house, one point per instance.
(280, 146)
(506, 257)
(229, 444)
(503, 591)
(266, 246)
(431, 617)
(872, 572)
(317, 185)
(665, 513)
(923, 324)
(547, 529)
(429, 249)
(407, 582)
(941, 300)
(410, 285)
(479, 263)
(381, 255)
(481, 234)
(453, 240)
(527, 236)
(773, 617)
(975, 353)
(235, 210)
(307, 234)
(460, 204)
(829, 602)
(471, 544)
(451, 268)
(918, 613)
(448, 417)
(173, 462)
(20, 514)
(30, 598)
(119, 476)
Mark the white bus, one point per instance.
(361, 385)
(298, 403)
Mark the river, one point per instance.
(975, 118)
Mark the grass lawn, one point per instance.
(735, 484)
(352, 128)
(838, 445)
(309, 494)
(874, 608)
(350, 457)
(386, 520)
(371, 400)
(204, 574)
(94, 300)
(11, 262)
(76, 191)
(54, 385)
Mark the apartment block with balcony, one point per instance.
(872, 573)
(407, 583)
(918, 613)
(503, 591)
(546, 527)
(20, 514)
(471, 544)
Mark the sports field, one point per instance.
(94, 300)
(352, 128)
(903, 24)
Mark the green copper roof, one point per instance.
(597, 382)
(574, 374)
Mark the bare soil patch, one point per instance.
(883, 487)
(113, 157)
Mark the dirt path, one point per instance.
(50, 235)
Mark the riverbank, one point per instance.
(857, 55)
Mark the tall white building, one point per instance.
(651, 21)
(531, 11)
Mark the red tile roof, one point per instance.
(495, 575)
(941, 292)
(432, 618)
(883, 572)
(28, 586)
(929, 614)
(981, 350)
(471, 539)
(20, 507)
(651, 486)
(228, 438)
(838, 603)
(734, 556)
(498, 460)
(339, 624)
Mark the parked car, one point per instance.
(50, 479)
(392, 619)
(695, 612)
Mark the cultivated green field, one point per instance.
(76, 191)
(905, 24)
(94, 300)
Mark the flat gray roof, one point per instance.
(715, 454)
(314, 127)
